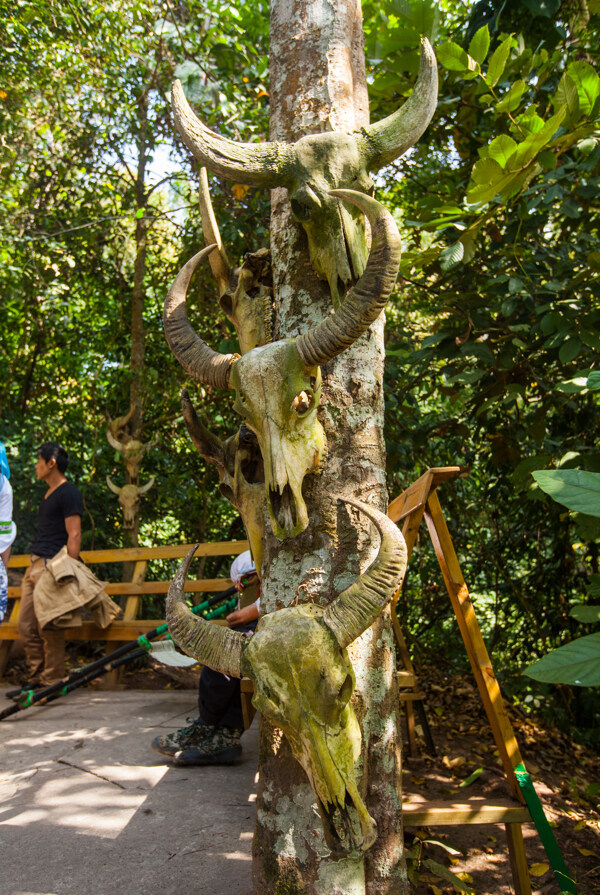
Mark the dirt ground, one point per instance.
(565, 774)
(471, 859)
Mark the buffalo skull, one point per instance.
(316, 164)
(240, 466)
(133, 451)
(278, 386)
(129, 498)
(303, 677)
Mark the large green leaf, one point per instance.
(574, 488)
(498, 62)
(480, 44)
(454, 58)
(586, 614)
(576, 663)
(502, 149)
(587, 84)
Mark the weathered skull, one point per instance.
(278, 386)
(316, 164)
(240, 467)
(129, 498)
(277, 395)
(304, 680)
(132, 449)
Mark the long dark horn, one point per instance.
(218, 260)
(256, 164)
(388, 139)
(209, 446)
(368, 297)
(214, 645)
(191, 351)
(358, 606)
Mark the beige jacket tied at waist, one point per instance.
(64, 588)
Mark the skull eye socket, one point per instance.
(346, 690)
(302, 402)
(226, 302)
(302, 211)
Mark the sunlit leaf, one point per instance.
(480, 44)
(454, 58)
(538, 869)
(498, 62)
(586, 614)
(574, 488)
(577, 663)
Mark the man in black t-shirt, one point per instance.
(59, 524)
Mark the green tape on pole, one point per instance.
(222, 610)
(563, 877)
(143, 641)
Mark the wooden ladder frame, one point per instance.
(420, 501)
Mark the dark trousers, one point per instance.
(219, 699)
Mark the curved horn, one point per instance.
(218, 260)
(191, 351)
(117, 445)
(112, 486)
(368, 296)
(214, 645)
(358, 606)
(256, 164)
(209, 446)
(389, 138)
(143, 488)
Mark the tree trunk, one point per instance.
(318, 84)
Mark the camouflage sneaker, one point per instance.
(222, 747)
(193, 735)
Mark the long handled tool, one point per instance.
(133, 650)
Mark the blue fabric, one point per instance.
(4, 467)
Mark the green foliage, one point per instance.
(492, 342)
(576, 663)
(77, 177)
(574, 488)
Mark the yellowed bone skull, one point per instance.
(129, 498)
(303, 684)
(278, 386)
(277, 395)
(304, 680)
(316, 164)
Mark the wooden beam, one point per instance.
(132, 554)
(474, 644)
(127, 588)
(471, 811)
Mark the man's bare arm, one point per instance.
(73, 526)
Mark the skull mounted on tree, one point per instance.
(278, 385)
(303, 678)
(315, 165)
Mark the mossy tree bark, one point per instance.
(318, 84)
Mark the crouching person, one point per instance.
(214, 737)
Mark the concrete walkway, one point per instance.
(88, 808)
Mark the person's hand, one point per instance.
(242, 616)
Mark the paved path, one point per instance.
(87, 807)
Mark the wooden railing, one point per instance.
(130, 626)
